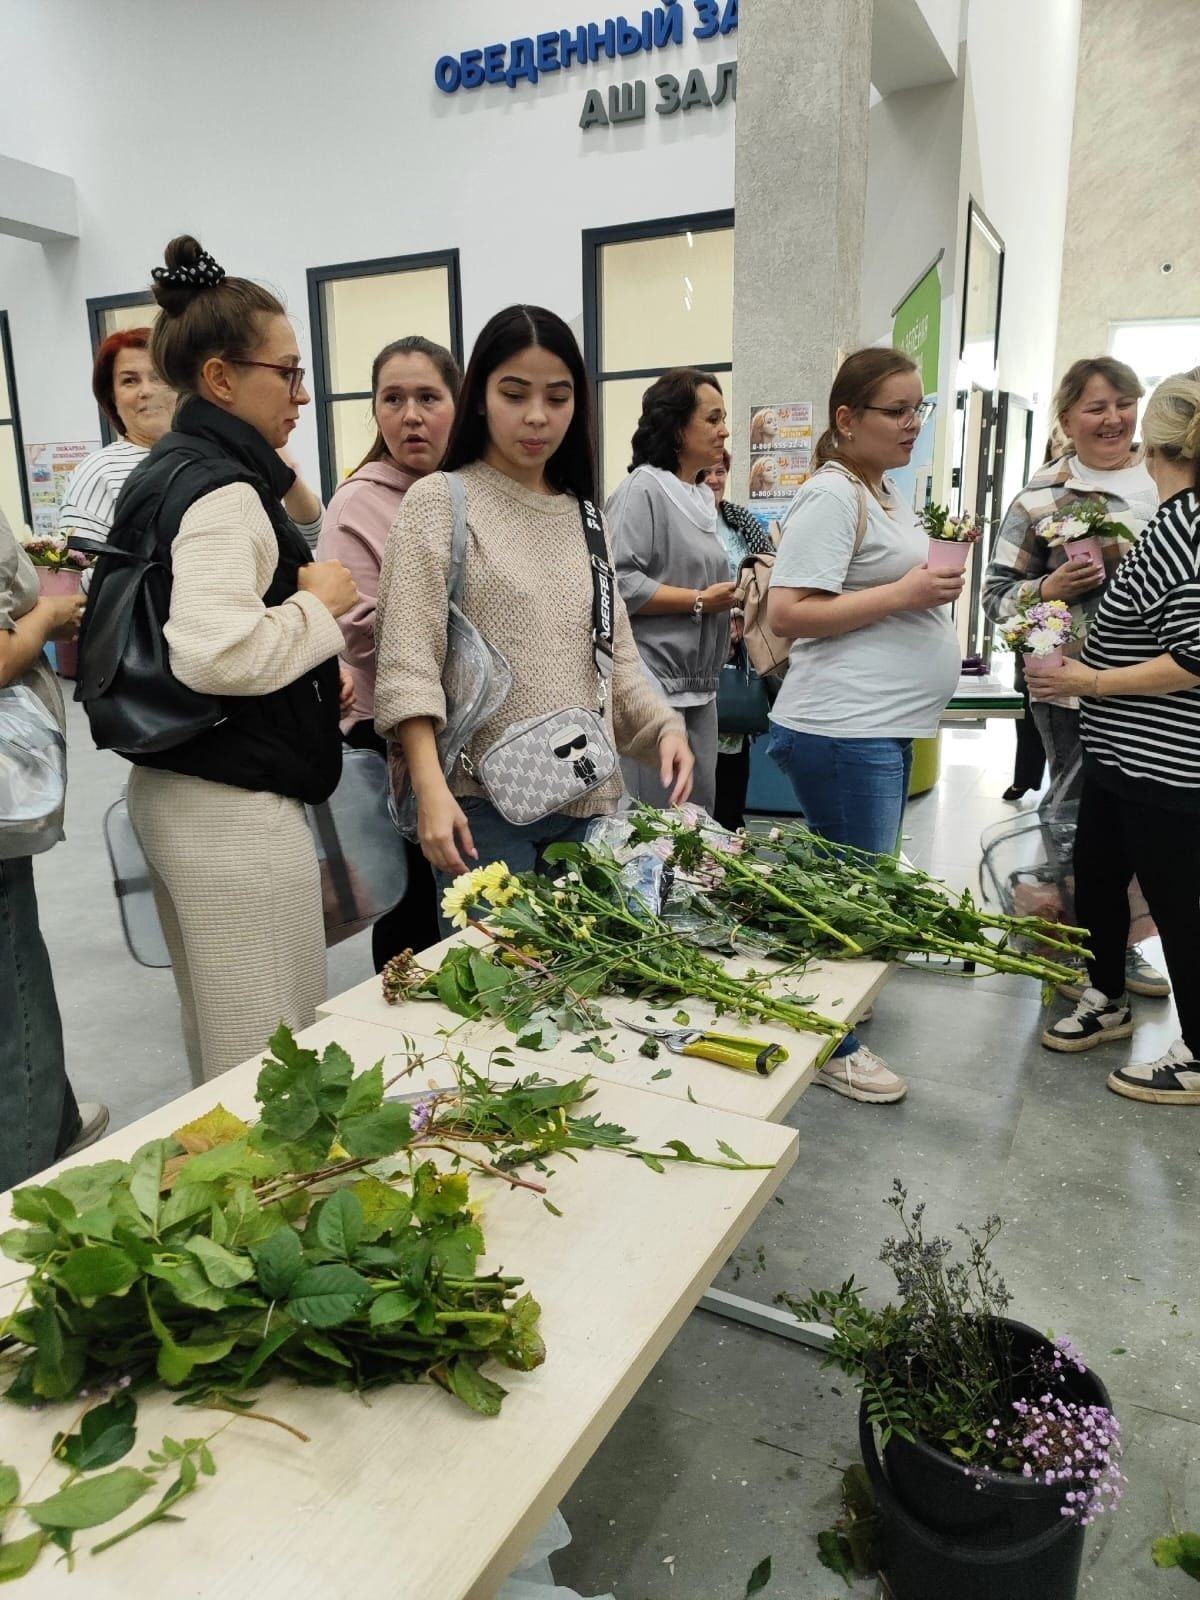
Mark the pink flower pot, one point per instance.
(948, 555)
(1089, 549)
(59, 581)
(1052, 658)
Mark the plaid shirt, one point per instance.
(1022, 558)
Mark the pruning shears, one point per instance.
(728, 1049)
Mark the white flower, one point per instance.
(1041, 641)
(1072, 528)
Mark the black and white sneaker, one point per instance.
(1172, 1080)
(1095, 1020)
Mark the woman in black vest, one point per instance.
(252, 621)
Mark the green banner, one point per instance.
(918, 325)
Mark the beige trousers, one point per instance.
(238, 893)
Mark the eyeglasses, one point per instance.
(295, 374)
(903, 415)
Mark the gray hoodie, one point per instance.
(663, 533)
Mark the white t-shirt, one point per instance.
(890, 679)
(1133, 484)
(93, 488)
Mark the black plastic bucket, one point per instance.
(975, 1535)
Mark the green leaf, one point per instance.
(277, 1262)
(365, 1092)
(457, 1254)
(682, 1018)
(186, 1201)
(274, 1340)
(395, 1305)
(88, 1188)
(325, 1297)
(189, 1285)
(34, 1204)
(106, 1433)
(94, 1500)
(759, 1578)
(222, 1268)
(340, 1223)
(487, 974)
(335, 1075)
(58, 1360)
(145, 1181)
(682, 1151)
(377, 1133)
(1180, 1550)
(473, 1389)
(10, 1486)
(18, 1556)
(384, 1209)
(438, 1195)
(96, 1270)
(222, 1160)
(650, 1048)
(182, 1485)
(288, 1087)
(325, 1348)
(728, 1150)
(652, 1162)
(663, 1072)
(176, 1362)
(552, 1209)
(834, 1553)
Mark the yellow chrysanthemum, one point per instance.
(456, 899)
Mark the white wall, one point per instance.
(294, 135)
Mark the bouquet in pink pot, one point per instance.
(950, 537)
(1080, 532)
(1040, 630)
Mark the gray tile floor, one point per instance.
(732, 1449)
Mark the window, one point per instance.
(14, 489)
(656, 295)
(111, 313)
(983, 275)
(1155, 349)
(356, 309)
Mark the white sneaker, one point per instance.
(862, 1076)
(1095, 1020)
(93, 1124)
(1172, 1080)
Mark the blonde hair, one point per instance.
(1171, 425)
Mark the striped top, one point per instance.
(1150, 744)
(94, 486)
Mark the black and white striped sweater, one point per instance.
(1149, 745)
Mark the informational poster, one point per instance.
(917, 330)
(781, 445)
(50, 467)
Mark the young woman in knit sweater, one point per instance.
(253, 620)
(522, 442)
(414, 384)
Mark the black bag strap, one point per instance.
(604, 597)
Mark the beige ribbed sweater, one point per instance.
(529, 592)
(222, 638)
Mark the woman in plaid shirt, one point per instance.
(1096, 410)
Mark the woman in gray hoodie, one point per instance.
(672, 569)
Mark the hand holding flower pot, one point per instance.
(60, 573)
(1039, 631)
(950, 538)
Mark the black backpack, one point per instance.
(134, 702)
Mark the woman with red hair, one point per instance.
(140, 407)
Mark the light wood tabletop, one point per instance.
(839, 989)
(406, 1493)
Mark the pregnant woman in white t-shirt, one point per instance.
(875, 656)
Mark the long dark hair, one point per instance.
(667, 407)
(572, 467)
(413, 344)
(858, 378)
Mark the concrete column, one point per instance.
(804, 75)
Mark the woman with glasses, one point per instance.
(875, 657)
(253, 623)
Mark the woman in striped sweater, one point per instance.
(1138, 680)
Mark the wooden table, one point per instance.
(406, 1493)
(841, 989)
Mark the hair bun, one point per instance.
(188, 270)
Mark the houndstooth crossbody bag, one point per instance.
(543, 763)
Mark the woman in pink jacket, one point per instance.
(414, 385)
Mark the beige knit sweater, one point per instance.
(529, 592)
(222, 638)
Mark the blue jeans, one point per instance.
(520, 848)
(852, 791)
(38, 1114)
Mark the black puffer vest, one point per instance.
(286, 742)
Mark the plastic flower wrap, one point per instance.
(1087, 519)
(54, 555)
(939, 524)
(1040, 628)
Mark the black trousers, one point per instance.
(413, 924)
(1117, 838)
(733, 779)
(1029, 767)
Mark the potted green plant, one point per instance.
(997, 1446)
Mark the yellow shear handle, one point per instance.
(731, 1050)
